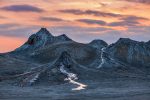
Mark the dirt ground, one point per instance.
(109, 89)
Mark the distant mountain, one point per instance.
(131, 52)
(59, 56)
(41, 39)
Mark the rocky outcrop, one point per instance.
(65, 59)
(129, 51)
(63, 37)
(42, 39)
(98, 44)
(55, 73)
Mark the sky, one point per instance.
(81, 20)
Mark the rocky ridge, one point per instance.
(56, 58)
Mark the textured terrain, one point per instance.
(58, 68)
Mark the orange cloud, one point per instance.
(110, 12)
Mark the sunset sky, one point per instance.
(81, 20)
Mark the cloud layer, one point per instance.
(22, 8)
(54, 19)
(81, 20)
(140, 1)
(89, 12)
